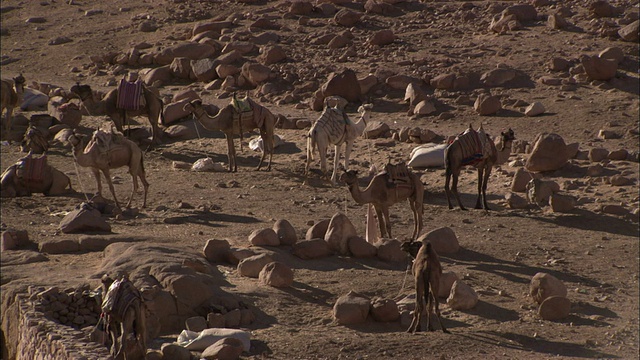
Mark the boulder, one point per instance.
(539, 191)
(414, 94)
(255, 73)
(545, 285)
(339, 231)
(264, 237)
(181, 68)
(14, 239)
(498, 77)
(285, 231)
(598, 68)
(515, 201)
(443, 240)
(217, 251)
(612, 53)
(187, 49)
(382, 37)
(276, 274)
(487, 105)
(562, 203)
(84, 218)
(251, 266)
(160, 75)
(401, 81)
(534, 109)
(272, 55)
(522, 12)
(612, 209)
(224, 349)
(443, 81)
(351, 308)
(548, 154)
(196, 323)
(174, 352)
(462, 296)
(619, 180)
(317, 230)
(554, 308)
(343, 84)
(360, 248)
(312, 249)
(620, 154)
(447, 279)
(204, 70)
(301, 8)
(59, 246)
(598, 154)
(375, 130)
(384, 310)
(347, 18)
(630, 32)
(520, 180)
(390, 251)
(174, 112)
(424, 107)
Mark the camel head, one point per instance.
(335, 101)
(19, 82)
(82, 91)
(75, 139)
(192, 105)
(505, 137)
(411, 247)
(349, 177)
(365, 112)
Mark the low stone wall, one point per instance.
(29, 334)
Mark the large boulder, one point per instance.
(339, 231)
(554, 308)
(276, 274)
(286, 232)
(598, 68)
(443, 240)
(360, 248)
(549, 153)
(84, 218)
(264, 237)
(351, 308)
(544, 285)
(217, 251)
(312, 249)
(224, 349)
(343, 84)
(462, 296)
(487, 104)
(187, 49)
(251, 266)
(384, 310)
(630, 32)
(390, 251)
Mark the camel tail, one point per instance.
(162, 112)
(447, 161)
(311, 144)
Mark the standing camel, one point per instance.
(383, 192)
(11, 96)
(123, 312)
(474, 148)
(153, 107)
(426, 272)
(229, 121)
(334, 127)
(105, 151)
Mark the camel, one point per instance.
(35, 141)
(229, 121)
(334, 127)
(11, 96)
(20, 179)
(125, 321)
(153, 107)
(105, 151)
(474, 148)
(426, 272)
(383, 192)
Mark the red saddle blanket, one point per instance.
(32, 169)
(130, 96)
(471, 147)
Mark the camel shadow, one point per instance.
(491, 311)
(590, 221)
(209, 219)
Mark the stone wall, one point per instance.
(29, 334)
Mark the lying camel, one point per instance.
(125, 320)
(474, 148)
(20, 180)
(10, 97)
(383, 192)
(105, 151)
(228, 121)
(426, 272)
(153, 108)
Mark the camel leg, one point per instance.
(485, 181)
(480, 177)
(415, 325)
(145, 185)
(347, 153)
(417, 220)
(7, 123)
(263, 135)
(387, 222)
(447, 189)
(381, 221)
(336, 160)
(323, 160)
(231, 153)
(454, 189)
(96, 174)
(438, 316)
(111, 188)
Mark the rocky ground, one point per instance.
(592, 249)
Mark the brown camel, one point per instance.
(227, 120)
(474, 148)
(153, 107)
(105, 151)
(426, 272)
(125, 321)
(10, 96)
(383, 192)
(35, 141)
(33, 175)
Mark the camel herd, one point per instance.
(107, 150)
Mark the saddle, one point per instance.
(104, 140)
(32, 169)
(398, 175)
(130, 95)
(121, 294)
(471, 145)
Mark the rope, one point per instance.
(75, 163)
(195, 124)
(404, 280)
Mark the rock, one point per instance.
(424, 107)
(375, 130)
(384, 310)
(545, 285)
(272, 55)
(360, 248)
(447, 279)
(630, 32)
(443, 240)
(351, 308)
(548, 154)
(559, 64)
(59, 246)
(498, 77)
(620, 154)
(189, 50)
(339, 231)
(224, 349)
(256, 73)
(539, 191)
(399, 82)
(382, 37)
(347, 18)
(318, 230)
(217, 251)
(224, 70)
(276, 274)
(251, 266)
(443, 81)
(557, 21)
(595, 170)
(343, 84)
(554, 308)
(174, 351)
(522, 12)
(264, 237)
(487, 105)
(312, 249)
(204, 70)
(534, 109)
(285, 231)
(160, 75)
(614, 210)
(195, 323)
(572, 150)
(562, 203)
(520, 180)
(174, 112)
(389, 250)
(598, 68)
(612, 53)
(462, 296)
(215, 320)
(414, 94)
(367, 83)
(515, 201)
(598, 154)
(14, 239)
(84, 218)
(608, 134)
(619, 180)
(301, 8)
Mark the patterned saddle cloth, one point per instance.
(471, 146)
(32, 169)
(130, 95)
(399, 175)
(121, 294)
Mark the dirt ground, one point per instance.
(594, 253)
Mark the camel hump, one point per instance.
(241, 105)
(130, 95)
(32, 169)
(121, 294)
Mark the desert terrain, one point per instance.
(595, 253)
